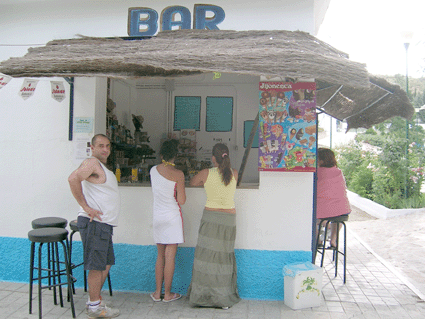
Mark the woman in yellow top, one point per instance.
(214, 268)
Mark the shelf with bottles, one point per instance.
(134, 174)
(133, 161)
(186, 156)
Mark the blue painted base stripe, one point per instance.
(259, 271)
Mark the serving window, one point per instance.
(187, 112)
(219, 114)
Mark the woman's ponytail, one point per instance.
(221, 154)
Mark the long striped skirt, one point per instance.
(214, 268)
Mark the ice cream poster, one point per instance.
(287, 126)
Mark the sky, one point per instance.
(371, 32)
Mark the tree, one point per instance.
(393, 172)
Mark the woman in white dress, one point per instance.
(168, 187)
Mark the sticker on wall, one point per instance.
(82, 149)
(83, 125)
(4, 79)
(217, 75)
(287, 126)
(58, 90)
(28, 88)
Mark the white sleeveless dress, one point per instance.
(167, 215)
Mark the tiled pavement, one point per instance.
(373, 290)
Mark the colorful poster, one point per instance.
(287, 127)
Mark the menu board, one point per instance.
(187, 112)
(287, 126)
(219, 114)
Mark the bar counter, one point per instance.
(148, 184)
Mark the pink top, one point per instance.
(331, 193)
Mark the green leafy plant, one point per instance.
(390, 169)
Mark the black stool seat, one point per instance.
(73, 225)
(342, 218)
(47, 235)
(44, 222)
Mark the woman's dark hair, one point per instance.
(327, 157)
(169, 149)
(221, 153)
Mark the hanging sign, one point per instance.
(287, 126)
(58, 90)
(28, 88)
(4, 79)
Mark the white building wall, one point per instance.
(35, 22)
(277, 216)
(36, 155)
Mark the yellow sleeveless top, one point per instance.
(219, 195)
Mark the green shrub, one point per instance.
(361, 181)
(392, 173)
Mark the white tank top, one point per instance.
(103, 197)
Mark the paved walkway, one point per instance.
(373, 290)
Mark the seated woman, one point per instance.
(332, 197)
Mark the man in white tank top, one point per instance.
(95, 188)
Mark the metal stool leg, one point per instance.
(336, 251)
(345, 250)
(69, 259)
(39, 281)
(109, 284)
(31, 275)
(316, 248)
(69, 279)
(324, 242)
(49, 258)
(58, 271)
(52, 275)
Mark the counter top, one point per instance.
(148, 184)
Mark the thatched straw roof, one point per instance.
(172, 53)
(284, 54)
(364, 107)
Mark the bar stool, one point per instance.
(338, 220)
(73, 226)
(44, 222)
(53, 236)
(47, 222)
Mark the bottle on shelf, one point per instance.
(134, 177)
(140, 173)
(118, 173)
